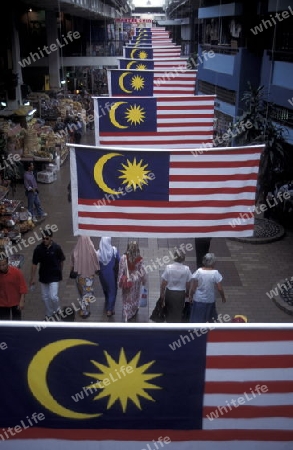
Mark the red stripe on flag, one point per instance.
(213, 178)
(245, 361)
(249, 412)
(161, 205)
(211, 191)
(251, 335)
(212, 164)
(149, 216)
(165, 228)
(245, 386)
(149, 435)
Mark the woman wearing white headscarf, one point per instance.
(84, 261)
(108, 257)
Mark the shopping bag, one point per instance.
(159, 313)
(143, 301)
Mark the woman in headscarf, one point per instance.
(131, 263)
(109, 258)
(84, 261)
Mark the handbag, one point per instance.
(143, 300)
(73, 274)
(159, 313)
(186, 312)
(125, 282)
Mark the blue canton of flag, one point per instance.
(137, 53)
(133, 44)
(136, 64)
(104, 172)
(133, 115)
(131, 83)
(142, 39)
(123, 380)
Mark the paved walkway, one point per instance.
(250, 271)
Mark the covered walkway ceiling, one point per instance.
(95, 9)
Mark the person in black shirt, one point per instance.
(49, 256)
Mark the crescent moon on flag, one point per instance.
(121, 81)
(112, 115)
(132, 53)
(37, 377)
(128, 66)
(98, 172)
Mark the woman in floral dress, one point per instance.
(137, 275)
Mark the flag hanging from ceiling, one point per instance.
(150, 43)
(151, 83)
(161, 122)
(146, 388)
(151, 32)
(152, 64)
(150, 193)
(151, 38)
(152, 52)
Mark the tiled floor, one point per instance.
(250, 271)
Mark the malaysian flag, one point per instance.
(153, 64)
(150, 42)
(134, 388)
(151, 83)
(159, 122)
(164, 37)
(152, 52)
(153, 32)
(160, 194)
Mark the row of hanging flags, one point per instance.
(154, 171)
(77, 387)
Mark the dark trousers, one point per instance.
(202, 247)
(6, 311)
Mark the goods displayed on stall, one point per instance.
(3, 192)
(36, 141)
(14, 221)
(14, 136)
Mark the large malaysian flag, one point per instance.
(164, 193)
(153, 64)
(151, 82)
(158, 122)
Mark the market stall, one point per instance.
(14, 221)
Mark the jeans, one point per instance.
(5, 313)
(50, 297)
(109, 287)
(34, 201)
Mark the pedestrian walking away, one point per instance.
(131, 263)
(202, 247)
(202, 291)
(49, 257)
(13, 288)
(175, 287)
(109, 258)
(32, 193)
(85, 263)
